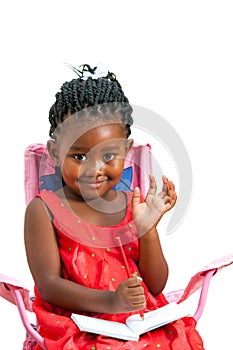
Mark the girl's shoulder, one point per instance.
(37, 209)
(36, 204)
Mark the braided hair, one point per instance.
(104, 93)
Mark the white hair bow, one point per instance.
(101, 71)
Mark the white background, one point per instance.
(173, 57)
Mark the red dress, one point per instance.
(91, 258)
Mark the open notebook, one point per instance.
(134, 326)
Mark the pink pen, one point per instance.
(127, 269)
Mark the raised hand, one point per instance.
(128, 297)
(147, 214)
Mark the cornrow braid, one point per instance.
(79, 94)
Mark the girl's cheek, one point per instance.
(119, 165)
(70, 170)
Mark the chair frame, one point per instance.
(13, 293)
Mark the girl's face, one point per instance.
(92, 165)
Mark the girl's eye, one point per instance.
(80, 157)
(109, 156)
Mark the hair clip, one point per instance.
(100, 71)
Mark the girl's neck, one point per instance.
(99, 211)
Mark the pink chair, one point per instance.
(40, 173)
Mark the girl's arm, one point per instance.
(44, 262)
(152, 263)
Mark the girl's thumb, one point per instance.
(136, 196)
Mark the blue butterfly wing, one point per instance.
(125, 181)
(52, 182)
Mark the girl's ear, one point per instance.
(53, 152)
(128, 145)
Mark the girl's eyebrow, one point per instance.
(110, 148)
(105, 148)
(77, 148)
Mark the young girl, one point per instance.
(71, 234)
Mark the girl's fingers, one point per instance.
(168, 188)
(171, 186)
(136, 197)
(169, 202)
(165, 184)
(170, 198)
(136, 291)
(167, 196)
(153, 186)
(139, 300)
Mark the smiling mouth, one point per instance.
(93, 184)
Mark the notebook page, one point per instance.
(156, 318)
(105, 327)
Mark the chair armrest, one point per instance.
(28, 326)
(203, 294)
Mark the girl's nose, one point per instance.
(94, 167)
(99, 165)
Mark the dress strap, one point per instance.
(53, 202)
